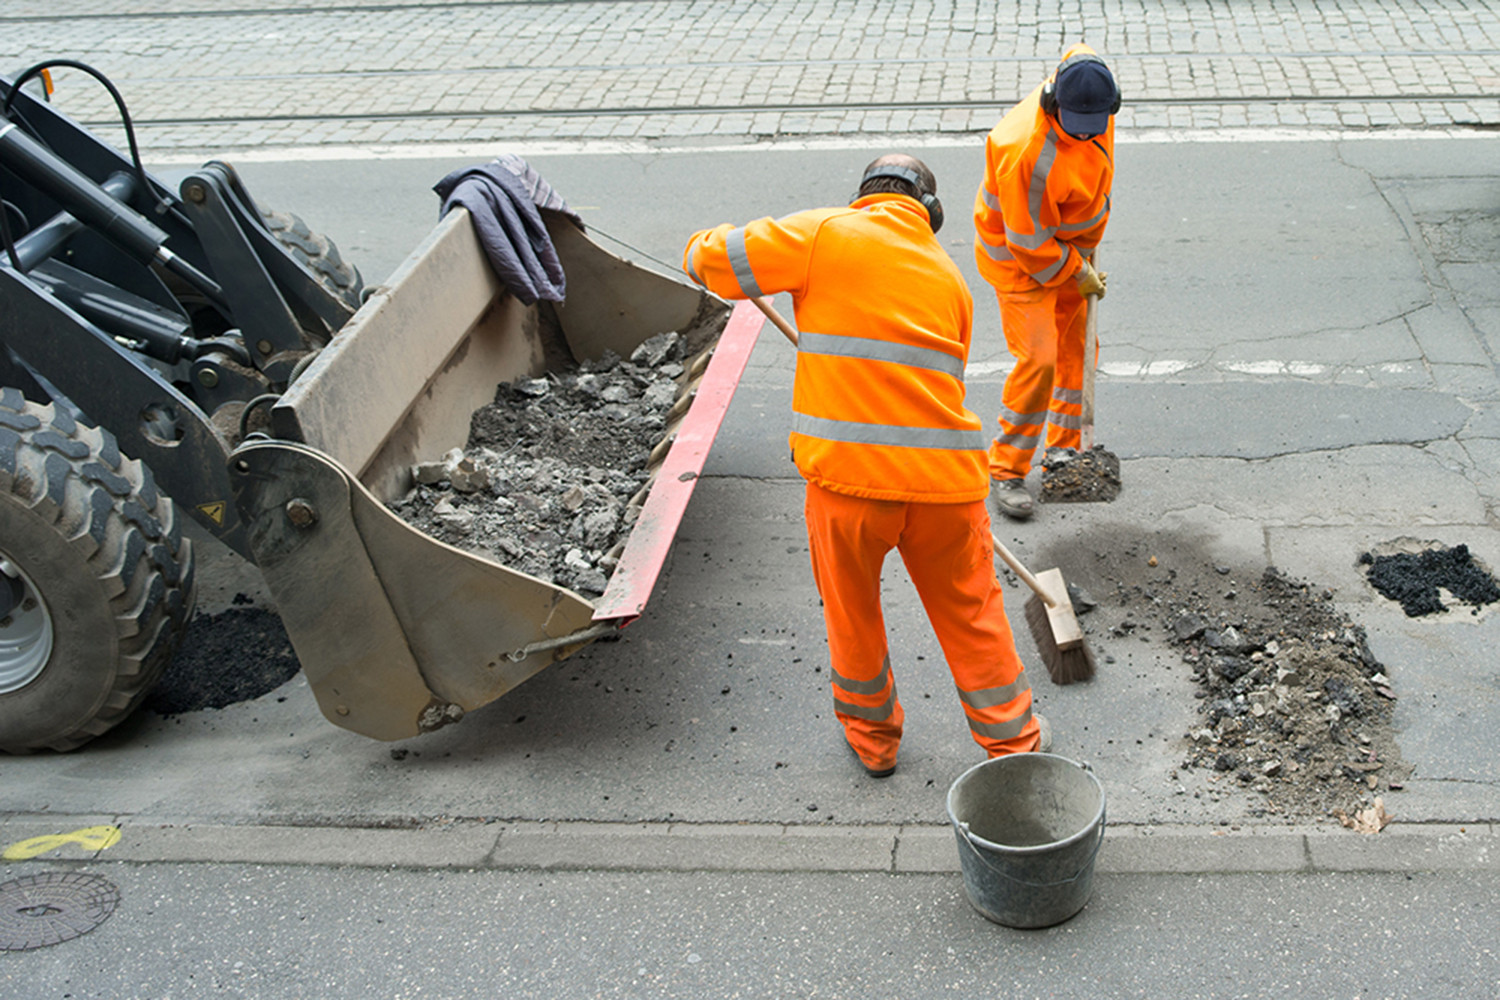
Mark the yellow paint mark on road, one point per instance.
(90, 838)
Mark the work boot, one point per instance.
(1043, 734)
(1011, 498)
(874, 772)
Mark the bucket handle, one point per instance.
(1086, 866)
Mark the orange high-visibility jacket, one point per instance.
(1044, 199)
(884, 319)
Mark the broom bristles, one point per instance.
(1064, 666)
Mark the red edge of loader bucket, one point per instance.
(651, 538)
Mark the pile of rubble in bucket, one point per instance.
(549, 481)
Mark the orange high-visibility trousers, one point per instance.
(1044, 329)
(949, 555)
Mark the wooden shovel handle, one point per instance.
(1090, 354)
(764, 304)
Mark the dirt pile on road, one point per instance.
(1293, 703)
(546, 480)
(1092, 476)
(1293, 710)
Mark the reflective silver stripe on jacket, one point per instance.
(990, 697)
(1046, 274)
(1038, 190)
(873, 686)
(1031, 241)
(1078, 227)
(739, 260)
(878, 714)
(866, 348)
(693, 271)
(889, 435)
(992, 200)
(1067, 395)
(1002, 730)
(996, 253)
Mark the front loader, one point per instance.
(167, 352)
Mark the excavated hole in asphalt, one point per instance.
(1293, 709)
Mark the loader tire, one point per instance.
(99, 579)
(318, 253)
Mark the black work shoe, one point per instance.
(874, 772)
(1011, 498)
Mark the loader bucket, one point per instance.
(399, 633)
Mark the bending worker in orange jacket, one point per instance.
(891, 457)
(1039, 214)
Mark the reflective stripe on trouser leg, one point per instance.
(1029, 320)
(950, 557)
(848, 538)
(1066, 407)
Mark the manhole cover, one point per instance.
(53, 907)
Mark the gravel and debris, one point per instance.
(1068, 476)
(545, 481)
(1293, 703)
(1294, 710)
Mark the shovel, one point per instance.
(1092, 474)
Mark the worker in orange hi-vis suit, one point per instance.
(1039, 215)
(891, 456)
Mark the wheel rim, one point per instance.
(25, 634)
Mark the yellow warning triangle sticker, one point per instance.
(214, 511)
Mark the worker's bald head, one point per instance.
(926, 183)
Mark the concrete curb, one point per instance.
(747, 847)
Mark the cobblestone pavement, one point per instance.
(226, 74)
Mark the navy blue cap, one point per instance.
(1086, 95)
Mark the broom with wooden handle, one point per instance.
(1054, 627)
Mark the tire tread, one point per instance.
(108, 508)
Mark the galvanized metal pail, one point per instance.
(1029, 827)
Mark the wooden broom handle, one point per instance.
(1021, 571)
(764, 303)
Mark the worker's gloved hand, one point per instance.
(1091, 280)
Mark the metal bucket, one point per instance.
(1029, 827)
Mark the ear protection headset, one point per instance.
(928, 199)
(1049, 89)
